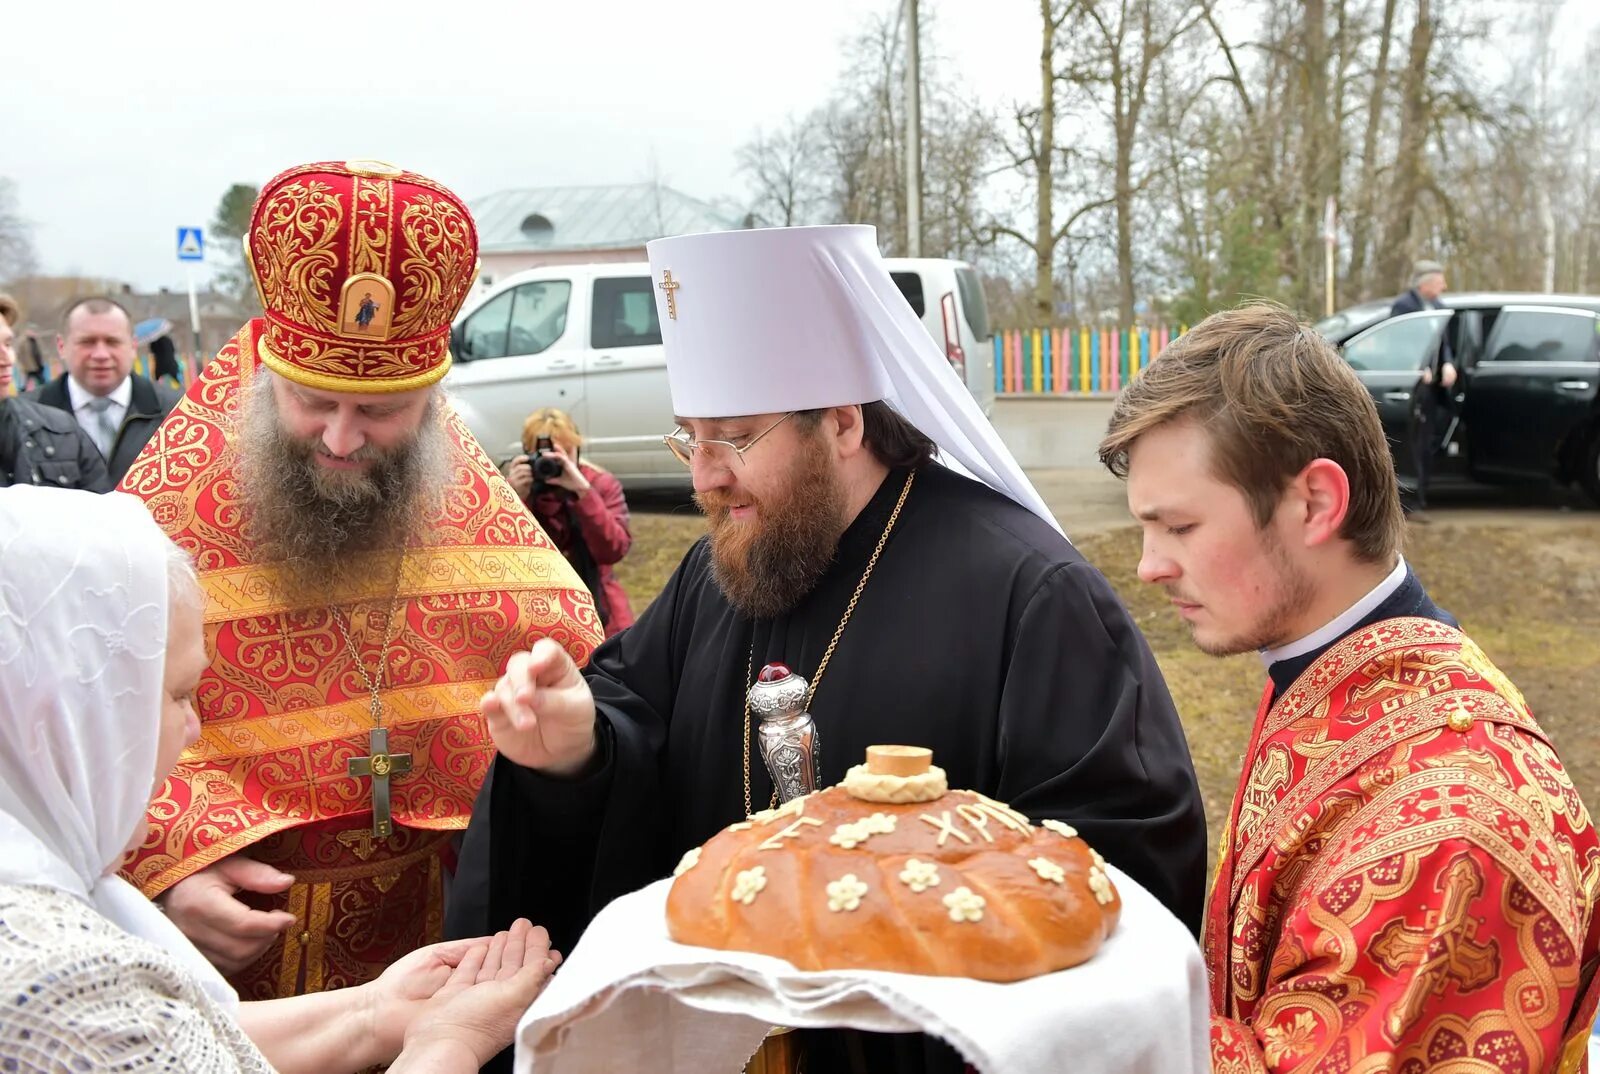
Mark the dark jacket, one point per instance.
(164, 359)
(42, 446)
(593, 534)
(1434, 394)
(146, 408)
(1411, 302)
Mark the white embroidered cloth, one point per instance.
(629, 998)
(80, 994)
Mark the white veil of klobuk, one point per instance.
(802, 318)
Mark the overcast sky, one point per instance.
(123, 121)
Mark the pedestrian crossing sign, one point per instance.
(191, 244)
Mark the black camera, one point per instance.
(545, 466)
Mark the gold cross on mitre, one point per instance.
(380, 765)
(670, 286)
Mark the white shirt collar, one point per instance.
(1342, 624)
(122, 394)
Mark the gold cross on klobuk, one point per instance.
(670, 286)
(380, 765)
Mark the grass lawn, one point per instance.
(1530, 596)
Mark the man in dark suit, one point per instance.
(1433, 396)
(39, 446)
(119, 409)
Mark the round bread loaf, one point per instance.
(892, 871)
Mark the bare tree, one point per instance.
(1183, 150)
(230, 224)
(844, 162)
(17, 255)
(1319, 139)
(1546, 167)
(1377, 96)
(1034, 151)
(959, 144)
(1111, 51)
(783, 169)
(1583, 105)
(1409, 163)
(1185, 128)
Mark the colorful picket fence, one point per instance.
(1075, 361)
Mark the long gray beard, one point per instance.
(318, 526)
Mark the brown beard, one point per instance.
(765, 566)
(317, 525)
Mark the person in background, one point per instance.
(118, 408)
(38, 445)
(1433, 396)
(580, 506)
(30, 363)
(164, 361)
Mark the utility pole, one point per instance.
(913, 133)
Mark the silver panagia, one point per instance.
(788, 734)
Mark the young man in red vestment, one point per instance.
(1408, 876)
(367, 573)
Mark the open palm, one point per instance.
(472, 991)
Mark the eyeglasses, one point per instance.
(717, 452)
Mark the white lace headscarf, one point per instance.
(83, 637)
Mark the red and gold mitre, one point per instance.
(360, 268)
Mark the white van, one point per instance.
(585, 338)
(948, 296)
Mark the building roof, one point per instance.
(590, 217)
(174, 305)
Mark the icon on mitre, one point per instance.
(366, 307)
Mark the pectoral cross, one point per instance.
(380, 765)
(670, 286)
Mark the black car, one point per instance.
(1528, 394)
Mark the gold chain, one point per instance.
(827, 655)
(374, 685)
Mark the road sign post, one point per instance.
(192, 248)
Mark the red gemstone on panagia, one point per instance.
(774, 672)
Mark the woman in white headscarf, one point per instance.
(101, 645)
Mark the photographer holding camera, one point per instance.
(580, 506)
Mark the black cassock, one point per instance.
(982, 634)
